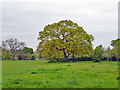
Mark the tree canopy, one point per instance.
(27, 50)
(115, 42)
(116, 47)
(13, 45)
(64, 36)
(98, 53)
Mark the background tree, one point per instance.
(26, 54)
(108, 53)
(13, 45)
(6, 54)
(116, 47)
(98, 53)
(64, 36)
(27, 50)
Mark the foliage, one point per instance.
(116, 48)
(32, 57)
(26, 54)
(115, 42)
(66, 37)
(27, 50)
(40, 56)
(57, 56)
(98, 53)
(13, 45)
(6, 54)
(22, 56)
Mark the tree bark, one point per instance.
(66, 57)
(73, 59)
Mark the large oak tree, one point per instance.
(64, 36)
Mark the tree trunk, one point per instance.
(117, 59)
(73, 59)
(107, 59)
(13, 57)
(66, 57)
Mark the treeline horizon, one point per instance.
(26, 52)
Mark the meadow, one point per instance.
(40, 74)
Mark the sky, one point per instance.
(24, 19)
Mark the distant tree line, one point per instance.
(13, 49)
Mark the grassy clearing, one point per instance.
(40, 74)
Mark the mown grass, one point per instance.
(40, 74)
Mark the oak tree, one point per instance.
(64, 36)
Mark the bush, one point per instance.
(23, 57)
(97, 60)
(33, 57)
(114, 58)
(60, 59)
(26, 57)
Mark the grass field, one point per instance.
(0, 74)
(40, 74)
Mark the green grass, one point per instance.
(0, 74)
(40, 74)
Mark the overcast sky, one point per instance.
(23, 20)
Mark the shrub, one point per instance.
(60, 59)
(97, 60)
(33, 57)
